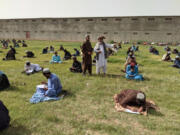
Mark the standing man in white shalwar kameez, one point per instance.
(101, 54)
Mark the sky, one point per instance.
(87, 8)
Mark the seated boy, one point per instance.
(76, 66)
(132, 72)
(56, 58)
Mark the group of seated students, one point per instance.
(114, 49)
(134, 48)
(131, 67)
(76, 66)
(53, 87)
(11, 54)
(45, 50)
(167, 48)
(153, 50)
(5, 43)
(56, 58)
(167, 57)
(16, 43)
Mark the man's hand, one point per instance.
(89, 53)
(140, 109)
(45, 89)
(43, 82)
(99, 52)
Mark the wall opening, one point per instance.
(90, 20)
(151, 19)
(103, 19)
(118, 19)
(134, 19)
(135, 33)
(27, 35)
(168, 19)
(77, 20)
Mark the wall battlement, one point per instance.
(145, 28)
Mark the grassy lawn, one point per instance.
(89, 109)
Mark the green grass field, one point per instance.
(89, 108)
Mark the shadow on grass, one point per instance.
(113, 75)
(46, 61)
(155, 113)
(12, 88)
(29, 57)
(108, 75)
(67, 94)
(140, 65)
(147, 79)
(12, 60)
(140, 71)
(16, 130)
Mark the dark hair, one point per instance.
(28, 63)
(46, 73)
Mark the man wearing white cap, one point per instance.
(101, 54)
(53, 87)
(177, 62)
(129, 98)
(30, 68)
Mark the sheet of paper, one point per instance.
(29, 71)
(42, 86)
(129, 111)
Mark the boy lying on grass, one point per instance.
(30, 68)
(133, 101)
